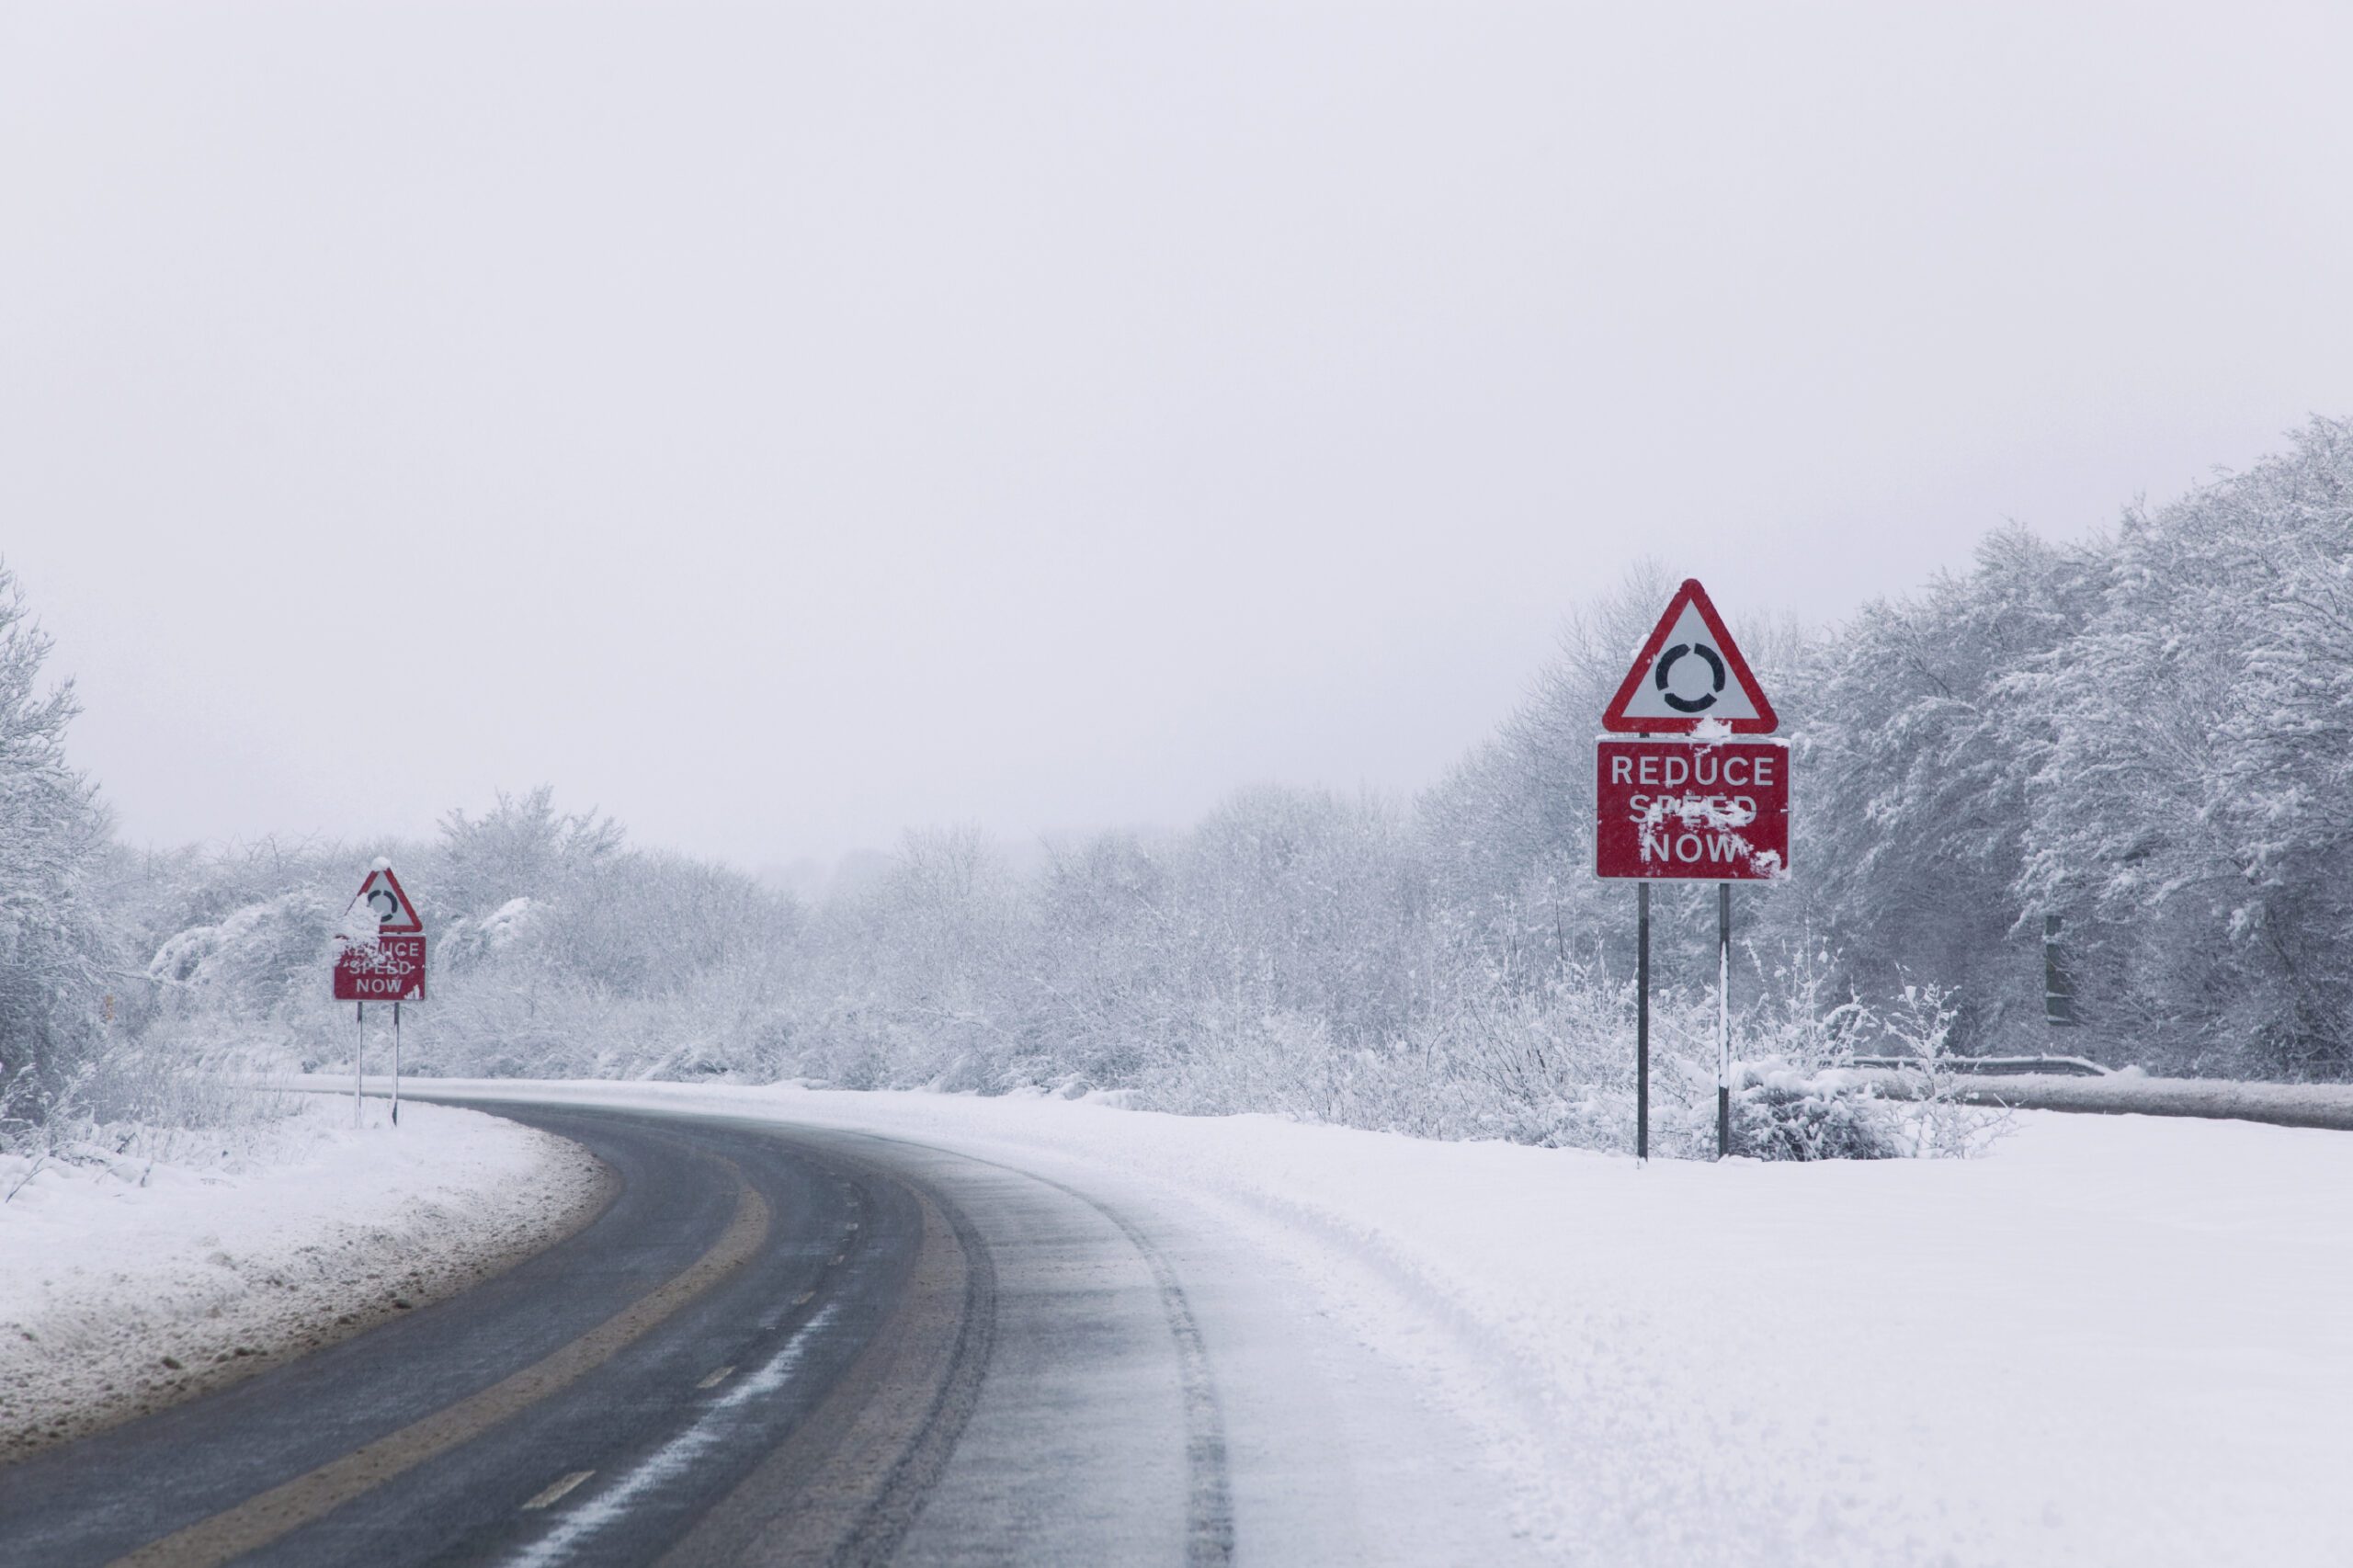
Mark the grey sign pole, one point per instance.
(1642, 1023)
(1724, 1020)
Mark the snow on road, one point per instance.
(315, 1232)
(2115, 1340)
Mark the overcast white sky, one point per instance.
(782, 426)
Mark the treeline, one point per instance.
(2144, 734)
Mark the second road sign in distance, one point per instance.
(380, 951)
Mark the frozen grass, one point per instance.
(1556, 1069)
(137, 1103)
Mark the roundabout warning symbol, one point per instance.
(383, 893)
(1689, 673)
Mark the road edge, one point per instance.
(218, 1352)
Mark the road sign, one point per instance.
(391, 969)
(381, 892)
(1698, 811)
(379, 957)
(1688, 674)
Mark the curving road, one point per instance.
(775, 1344)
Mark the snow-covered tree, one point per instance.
(522, 848)
(1913, 757)
(2192, 802)
(57, 956)
(1107, 955)
(1509, 832)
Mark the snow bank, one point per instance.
(128, 1288)
(2115, 1340)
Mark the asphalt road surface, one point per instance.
(777, 1344)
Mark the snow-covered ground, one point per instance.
(125, 1287)
(2117, 1339)
(2114, 1340)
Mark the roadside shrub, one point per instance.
(1783, 1112)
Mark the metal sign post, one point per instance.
(1643, 1024)
(396, 1065)
(1724, 1020)
(359, 1053)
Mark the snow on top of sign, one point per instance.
(1718, 815)
(380, 863)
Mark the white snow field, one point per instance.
(2116, 1339)
(317, 1230)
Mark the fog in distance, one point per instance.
(783, 427)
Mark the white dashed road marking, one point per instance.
(554, 1493)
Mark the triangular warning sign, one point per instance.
(382, 893)
(1687, 674)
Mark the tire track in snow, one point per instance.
(1209, 1512)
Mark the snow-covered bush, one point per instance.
(140, 1100)
(1784, 1112)
(253, 963)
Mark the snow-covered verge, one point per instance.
(126, 1287)
(2112, 1340)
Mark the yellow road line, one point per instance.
(288, 1506)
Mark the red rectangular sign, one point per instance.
(392, 970)
(1716, 811)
